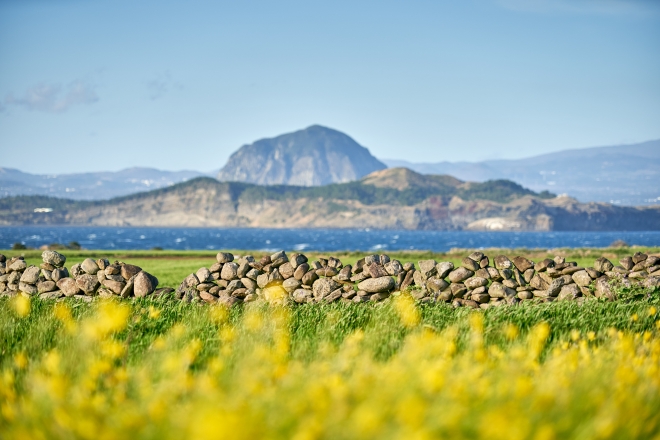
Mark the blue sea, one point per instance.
(308, 239)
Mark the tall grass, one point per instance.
(165, 369)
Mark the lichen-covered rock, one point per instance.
(46, 286)
(89, 266)
(652, 282)
(522, 264)
(18, 266)
(475, 282)
(144, 284)
(115, 287)
(497, 290)
(54, 258)
(203, 275)
(427, 268)
(460, 274)
(582, 278)
(30, 289)
(31, 275)
(569, 291)
(434, 284)
(603, 265)
(377, 285)
(291, 284)
(502, 262)
(603, 289)
(87, 283)
(323, 287)
(393, 267)
(68, 286)
(470, 264)
(229, 271)
(224, 257)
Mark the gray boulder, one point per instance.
(582, 278)
(31, 275)
(144, 284)
(444, 268)
(89, 266)
(460, 274)
(54, 258)
(324, 286)
(377, 285)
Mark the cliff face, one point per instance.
(310, 157)
(390, 199)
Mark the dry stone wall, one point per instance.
(477, 282)
(51, 280)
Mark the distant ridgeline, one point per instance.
(395, 198)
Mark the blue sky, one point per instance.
(105, 85)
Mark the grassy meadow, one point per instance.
(152, 368)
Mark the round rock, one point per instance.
(377, 285)
(143, 284)
(31, 275)
(460, 274)
(54, 258)
(89, 266)
(224, 257)
(87, 283)
(324, 286)
(128, 271)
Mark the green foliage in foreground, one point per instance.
(312, 326)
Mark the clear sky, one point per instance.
(103, 85)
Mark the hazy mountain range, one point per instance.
(625, 174)
(89, 186)
(395, 198)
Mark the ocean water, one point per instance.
(308, 239)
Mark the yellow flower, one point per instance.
(408, 312)
(154, 313)
(111, 317)
(20, 360)
(511, 331)
(21, 305)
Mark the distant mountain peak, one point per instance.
(402, 178)
(316, 155)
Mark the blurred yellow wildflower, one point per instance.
(21, 305)
(408, 312)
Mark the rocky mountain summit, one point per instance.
(388, 199)
(314, 156)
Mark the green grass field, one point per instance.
(153, 368)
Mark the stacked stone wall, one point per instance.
(51, 280)
(477, 282)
